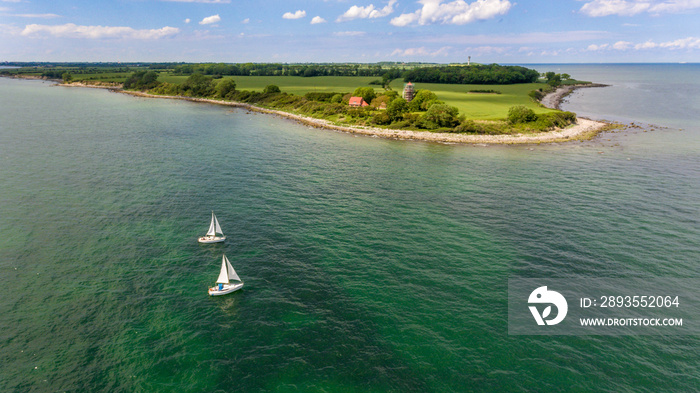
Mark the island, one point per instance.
(457, 103)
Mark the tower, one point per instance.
(408, 92)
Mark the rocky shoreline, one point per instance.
(554, 99)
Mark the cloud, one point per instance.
(679, 44)
(200, 1)
(369, 11)
(599, 8)
(71, 30)
(297, 15)
(421, 51)
(683, 43)
(317, 19)
(210, 19)
(245, 21)
(622, 45)
(457, 12)
(349, 33)
(188, 20)
(594, 47)
(39, 16)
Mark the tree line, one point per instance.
(492, 74)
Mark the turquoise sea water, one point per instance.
(370, 265)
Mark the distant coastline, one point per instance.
(584, 129)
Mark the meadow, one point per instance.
(476, 106)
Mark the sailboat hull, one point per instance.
(228, 288)
(212, 239)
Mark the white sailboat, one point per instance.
(224, 281)
(214, 234)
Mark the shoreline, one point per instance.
(554, 99)
(584, 129)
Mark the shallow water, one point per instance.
(369, 264)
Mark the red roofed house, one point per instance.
(357, 101)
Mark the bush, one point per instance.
(381, 118)
(537, 95)
(323, 97)
(520, 114)
(469, 126)
(271, 89)
(168, 89)
(337, 99)
(547, 121)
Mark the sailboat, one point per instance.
(225, 276)
(212, 233)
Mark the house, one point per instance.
(357, 101)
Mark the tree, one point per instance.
(67, 77)
(198, 85)
(142, 80)
(422, 100)
(225, 88)
(367, 93)
(396, 108)
(440, 115)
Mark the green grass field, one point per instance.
(477, 106)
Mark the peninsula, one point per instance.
(481, 105)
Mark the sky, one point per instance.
(365, 31)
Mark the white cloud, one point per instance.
(356, 12)
(594, 47)
(200, 1)
(245, 21)
(210, 19)
(317, 19)
(683, 43)
(622, 45)
(71, 30)
(646, 45)
(421, 51)
(187, 20)
(457, 12)
(349, 33)
(38, 16)
(297, 15)
(405, 19)
(598, 8)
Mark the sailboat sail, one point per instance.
(214, 227)
(231, 273)
(218, 228)
(227, 273)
